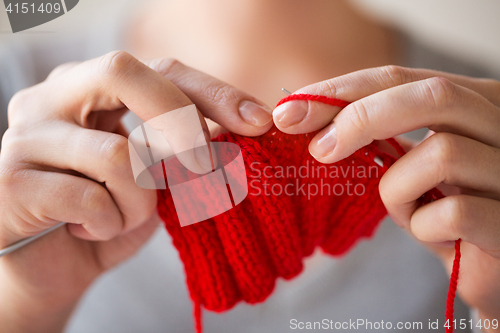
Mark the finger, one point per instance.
(126, 244)
(442, 158)
(436, 103)
(61, 69)
(49, 198)
(118, 79)
(354, 86)
(113, 82)
(473, 219)
(215, 129)
(173, 113)
(232, 108)
(101, 156)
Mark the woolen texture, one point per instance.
(238, 255)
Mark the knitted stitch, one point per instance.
(238, 255)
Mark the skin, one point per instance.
(462, 153)
(65, 135)
(86, 180)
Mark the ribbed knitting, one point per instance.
(238, 255)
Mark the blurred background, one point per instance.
(467, 29)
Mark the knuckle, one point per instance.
(114, 152)
(443, 150)
(8, 175)
(442, 92)
(61, 69)
(12, 144)
(456, 213)
(358, 115)
(397, 75)
(165, 65)
(116, 63)
(328, 87)
(94, 198)
(145, 209)
(18, 103)
(221, 94)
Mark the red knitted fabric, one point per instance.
(238, 255)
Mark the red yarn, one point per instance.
(238, 255)
(198, 326)
(396, 146)
(317, 98)
(450, 301)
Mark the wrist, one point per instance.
(24, 310)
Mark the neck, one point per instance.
(260, 45)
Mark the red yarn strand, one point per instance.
(318, 98)
(198, 327)
(450, 302)
(396, 146)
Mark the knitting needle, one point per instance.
(26, 241)
(376, 159)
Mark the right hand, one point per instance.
(65, 158)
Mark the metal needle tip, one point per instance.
(28, 240)
(286, 91)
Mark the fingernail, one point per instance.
(254, 114)
(325, 145)
(290, 113)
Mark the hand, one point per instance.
(65, 158)
(463, 155)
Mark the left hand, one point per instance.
(65, 157)
(463, 155)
